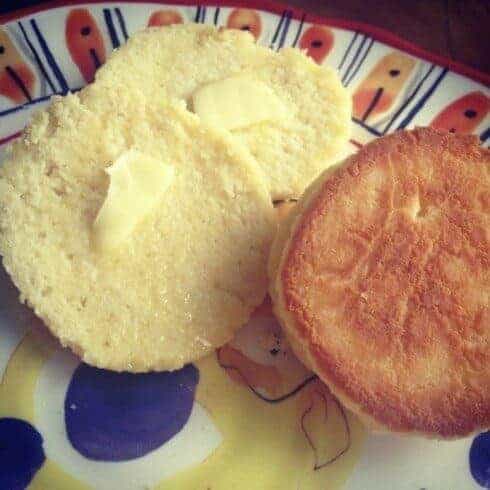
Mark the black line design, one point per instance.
(284, 33)
(216, 15)
(95, 58)
(279, 399)
(373, 103)
(318, 465)
(278, 29)
(111, 29)
(36, 57)
(122, 23)
(50, 58)
(203, 15)
(485, 135)
(354, 59)
(21, 107)
(423, 100)
(32, 102)
(361, 61)
(299, 31)
(409, 98)
(18, 81)
(275, 202)
(366, 127)
(353, 40)
(413, 81)
(198, 14)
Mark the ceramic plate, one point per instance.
(250, 416)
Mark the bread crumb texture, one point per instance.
(189, 274)
(175, 61)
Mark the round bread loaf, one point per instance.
(189, 274)
(176, 61)
(381, 279)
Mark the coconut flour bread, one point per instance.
(292, 114)
(380, 276)
(175, 282)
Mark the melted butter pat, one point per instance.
(237, 102)
(137, 184)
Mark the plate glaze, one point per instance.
(250, 416)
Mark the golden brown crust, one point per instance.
(384, 283)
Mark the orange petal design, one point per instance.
(85, 43)
(464, 114)
(247, 372)
(363, 99)
(17, 80)
(164, 18)
(245, 20)
(383, 84)
(317, 41)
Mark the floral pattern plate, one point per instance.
(250, 416)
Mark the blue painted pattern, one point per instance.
(121, 416)
(21, 453)
(480, 459)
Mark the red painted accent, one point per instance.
(10, 137)
(245, 19)
(10, 89)
(362, 99)
(165, 18)
(317, 41)
(453, 117)
(356, 143)
(85, 43)
(277, 8)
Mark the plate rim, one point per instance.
(277, 7)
